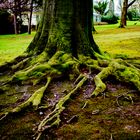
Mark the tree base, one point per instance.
(33, 71)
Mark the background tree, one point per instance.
(101, 7)
(6, 24)
(125, 7)
(63, 47)
(16, 8)
(34, 5)
(110, 17)
(30, 17)
(111, 8)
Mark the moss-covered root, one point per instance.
(35, 99)
(100, 86)
(53, 119)
(8, 65)
(121, 72)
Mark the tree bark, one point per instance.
(66, 26)
(123, 22)
(15, 24)
(124, 13)
(30, 17)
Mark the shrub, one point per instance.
(110, 19)
(24, 29)
(133, 15)
(6, 23)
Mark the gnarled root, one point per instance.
(35, 99)
(121, 71)
(58, 64)
(53, 119)
(100, 86)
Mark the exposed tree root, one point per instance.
(53, 119)
(121, 72)
(60, 64)
(35, 99)
(8, 65)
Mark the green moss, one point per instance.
(128, 74)
(33, 72)
(35, 99)
(100, 86)
(39, 94)
(20, 76)
(39, 58)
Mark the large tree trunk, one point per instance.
(66, 26)
(63, 47)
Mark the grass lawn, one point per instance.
(110, 38)
(114, 40)
(13, 45)
(115, 26)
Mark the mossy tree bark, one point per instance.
(64, 45)
(65, 26)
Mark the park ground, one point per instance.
(114, 115)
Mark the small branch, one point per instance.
(131, 3)
(73, 119)
(78, 78)
(85, 104)
(4, 116)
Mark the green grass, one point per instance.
(110, 38)
(113, 26)
(13, 45)
(114, 40)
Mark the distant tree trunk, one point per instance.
(30, 17)
(124, 13)
(15, 24)
(20, 19)
(123, 22)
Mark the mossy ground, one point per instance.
(13, 45)
(101, 118)
(119, 41)
(112, 115)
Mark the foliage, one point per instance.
(110, 19)
(101, 7)
(133, 15)
(19, 8)
(6, 25)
